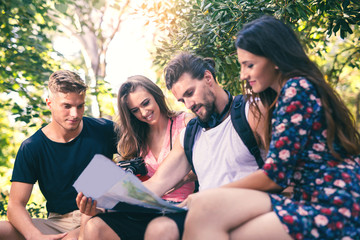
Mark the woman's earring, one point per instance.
(276, 68)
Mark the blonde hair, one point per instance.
(66, 81)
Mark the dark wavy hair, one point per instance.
(272, 39)
(187, 63)
(131, 131)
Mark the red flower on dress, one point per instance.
(299, 236)
(346, 177)
(328, 178)
(297, 103)
(290, 108)
(281, 175)
(338, 201)
(339, 225)
(285, 139)
(267, 166)
(332, 163)
(356, 207)
(326, 211)
(288, 219)
(297, 145)
(279, 144)
(316, 125)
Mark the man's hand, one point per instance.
(183, 204)
(191, 177)
(87, 205)
(187, 202)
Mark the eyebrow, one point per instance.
(185, 94)
(146, 99)
(69, 104)
(140, 104)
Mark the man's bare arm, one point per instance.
(171, 171)
(18, 215)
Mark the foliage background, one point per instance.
(328, 28)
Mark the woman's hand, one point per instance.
(87, 205)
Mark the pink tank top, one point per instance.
(152, 163)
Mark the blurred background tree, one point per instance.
(25, 65)
(25, 61)
(93, 24)
(27, 58)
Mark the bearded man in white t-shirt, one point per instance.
(219, 155)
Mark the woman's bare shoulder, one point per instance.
(188, 117)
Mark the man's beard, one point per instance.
(209, 105)
(209, 110)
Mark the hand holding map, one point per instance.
(108, 184)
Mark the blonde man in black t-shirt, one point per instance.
(55, 156)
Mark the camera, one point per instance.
(135, 166)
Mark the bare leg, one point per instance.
(83, 222)
(7, 231)
(213, 214)
(96, 229)
(72, 235)
(162, 228)
(266, 226)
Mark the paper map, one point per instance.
(109, 184)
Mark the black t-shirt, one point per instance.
(56, 166)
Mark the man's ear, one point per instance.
(208, 77)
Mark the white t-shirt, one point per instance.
(220, 156)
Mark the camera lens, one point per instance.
(131, 170)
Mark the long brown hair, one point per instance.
(131, 131)
(272, 39)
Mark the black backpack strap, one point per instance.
(189, 138)
(242, 127)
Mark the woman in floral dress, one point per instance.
(313, 146)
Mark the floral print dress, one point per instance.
(326, 200)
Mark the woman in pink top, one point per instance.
(148, 128)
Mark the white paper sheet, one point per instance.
(108, 184)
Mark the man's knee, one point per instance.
(93, 227)
(162, 228)
(96, 228)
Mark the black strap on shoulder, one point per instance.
(189, 138)
(242, 127)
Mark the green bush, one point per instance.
(35, 210)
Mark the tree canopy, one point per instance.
(25, 65)
(25, 55)
(329, 29)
